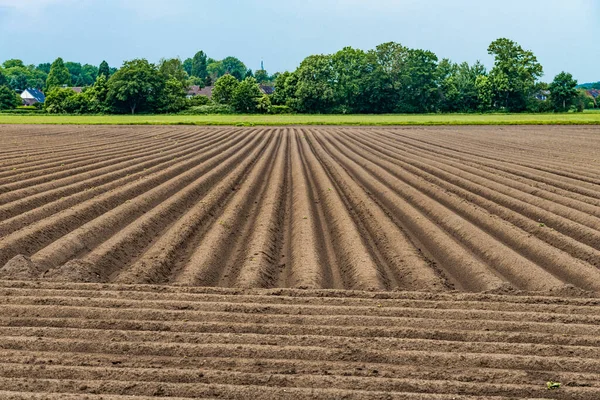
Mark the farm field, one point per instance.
(589, 117)
(299, 262)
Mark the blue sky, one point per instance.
(563, 34)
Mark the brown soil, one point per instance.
(300, 263)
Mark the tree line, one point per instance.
(395, 79)
(391, 78)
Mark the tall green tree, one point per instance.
(419, 82)
(314, 88)
(13, 63)
(176, 83)
(173, 68)
(262, 76)
(199, 64)
(187, 65)
(246, 96)
(59, 75)
(8, 98)
(74, 69)
(3, 80)
(235, 67)
(351, 69)
(386, 80)
(224, 89)
(514, 74)
(44, 67)
(285, 90)
(136, 87)
(458, 86)
(97, 96)
(65, 100)
(104, 70)
(563, 91)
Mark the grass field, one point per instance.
(587, 118)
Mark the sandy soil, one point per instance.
(437, 209)
(299, 262)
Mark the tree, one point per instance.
(97, 96)
(583, 100)
(514, 74)
(419, 87)
(13, 63)
(563, 91)
(246, 96)
(174, 97)
(3, 80)
(173, 68)
(234, 67)
(264, 104)
(283, 91)
(351, 69)
(187, 65)
(75, 70)
(176, 83)
(137, 86)
(19, 77)
(314, 88)
(18, 82)
(8, 98)
(104, 70)
(261, 76)
(44, 67)
(65, 100)
(215, 69)
(224, 89)
(59, 75)
(88, 75)
(199, 64)
(458, 86)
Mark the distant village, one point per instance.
(31, 96)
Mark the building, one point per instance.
(542, 95)
(76, 89)
(196, 90)
(266, 89)
(32, 96)
(595, 94)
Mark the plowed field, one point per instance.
(168, 262)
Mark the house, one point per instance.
(76, 89)
(266, 89)
(595, 94)
(196, 90)
(32, 96)
(542, 95)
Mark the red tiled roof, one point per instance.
(195, 90)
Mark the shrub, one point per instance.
(66, 101)
(8, 98)
(281, 110)
(264, 104)
(246, 96)
(199, 101)
(209, 109)
(21, 111)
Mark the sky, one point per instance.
(563, 34)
